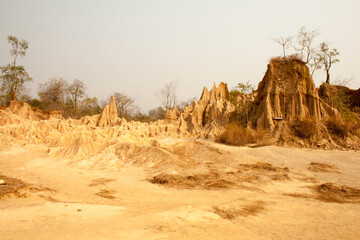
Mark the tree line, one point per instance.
(71, 98)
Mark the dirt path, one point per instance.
(80, 202)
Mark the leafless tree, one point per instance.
(284, 42)
(182, 105)
(125, 105)
(53, 92)
(305, 40)
(77, 91)
(167, 95)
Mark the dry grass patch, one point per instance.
(101, 181)
(12, 187)
(202, 181)
(337, 127)
(322, 167)
(304, 129)
(246, 173)
(293, 57)
(231, 212)
(329, 192)
(240, 136)
(106, 194)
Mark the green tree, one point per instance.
(240, 97)
(15, 76)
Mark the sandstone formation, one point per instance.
(206, 118)
(287, 93)
(327, 91)
(108, 116)
(172, 115)
(18, 111)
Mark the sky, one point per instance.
(137, 47)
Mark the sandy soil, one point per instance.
(75, 200)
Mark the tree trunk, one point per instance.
(284, 50)
(13, 95)
(327, 77)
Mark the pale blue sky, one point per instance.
(138, 46)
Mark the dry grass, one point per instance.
(202, 181)
(106, 194)
(12, 186)
(294, 57)
(101, 181)
(246, 173)
(337, 127)
(329, 192)
(304, 129)
(322, 167)
(231, 212)
(240, 136)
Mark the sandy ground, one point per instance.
(76, 201)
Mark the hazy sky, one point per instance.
(138, 46)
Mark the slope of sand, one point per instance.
(169, 188)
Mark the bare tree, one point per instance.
(53, 92)
(284, 42)
(305, 40)
(182, 105)
(315, 62)
(124, 104)
(157, 113)
(77, 91)
(167, 95)
(328, 57)
(14, 76)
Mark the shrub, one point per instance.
(337, 127)
(240, 136)
(304, 129)
(294, 57)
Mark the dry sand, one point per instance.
(225, 193)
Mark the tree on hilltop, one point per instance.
(284, 42)
(328, 57)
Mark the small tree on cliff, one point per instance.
(305, 40)
(239, 97)
(15, 76)
(284, 42)
(327, 57)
